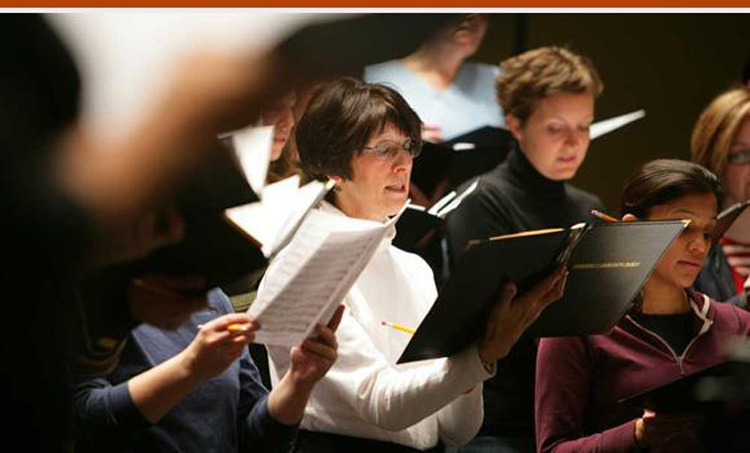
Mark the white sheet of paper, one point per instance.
(457, 200)
(442, 202)
(612, 124)
(272, 220)
(252, 146)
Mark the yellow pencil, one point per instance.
(237, 328)
(603, 216)
(231, 327)
(397, 327)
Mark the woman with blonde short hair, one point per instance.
(548, 97)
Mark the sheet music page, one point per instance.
(252, 146)
(262, 219)
(298, 206)
(314, 274)
(442, 202)
(612, 124)
(274, 219)
(456, 202)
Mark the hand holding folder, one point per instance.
(512, 315)
(608, 264)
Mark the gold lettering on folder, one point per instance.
(613, 265)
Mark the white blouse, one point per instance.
(365, 394)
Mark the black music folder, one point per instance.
(416, 229)
(720, 394)
(698, 392)
(478, 152)
(418, 226)
(608, 264)
(456, 161)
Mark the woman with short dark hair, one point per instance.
(671, 332)
(365, 137)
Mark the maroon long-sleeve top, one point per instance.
(580, 380)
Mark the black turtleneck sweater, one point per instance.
(511, 198)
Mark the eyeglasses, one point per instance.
(740, 157)
(388, 150)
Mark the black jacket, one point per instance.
(511, 198)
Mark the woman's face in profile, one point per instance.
(555, 137)
(281, 117)
(684, 259)
(736, 177)
(380, 180)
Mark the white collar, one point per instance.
(702, 313)
(327, 206)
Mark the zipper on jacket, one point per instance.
(679, 359)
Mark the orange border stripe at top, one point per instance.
(464, 5)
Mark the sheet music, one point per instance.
(457, 200)
(305, 199)
(612, 124)
(441, 203)
(314, 274)
(252, 146)
(272, 221)
(262, 219)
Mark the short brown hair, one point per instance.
(663, 180)
(342, 117)
(716, 128)
(527, 78)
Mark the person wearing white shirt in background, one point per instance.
(365, 137)
(452, 96)
(280, 115)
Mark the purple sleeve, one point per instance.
(743, 320)
(563, 374)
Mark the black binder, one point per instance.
(703, 391)
(489, 147)
(608, 264)
(416, 228)
(720, 394)
(456, 161)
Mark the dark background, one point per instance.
(671, 65)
